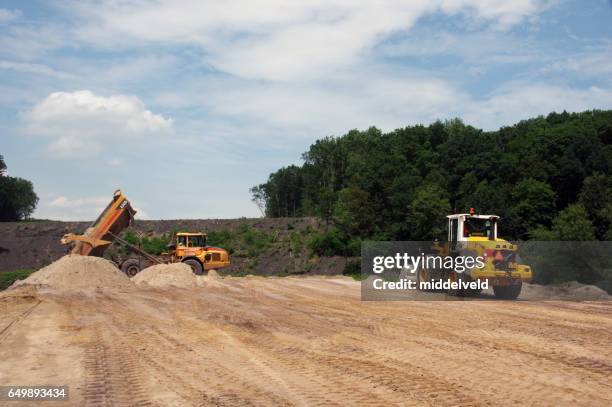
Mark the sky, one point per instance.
(185, 105)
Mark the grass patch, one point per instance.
(245, 241)
(7, 278)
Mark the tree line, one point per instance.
(549, 178)
(17, 197)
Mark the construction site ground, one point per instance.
(302, 341)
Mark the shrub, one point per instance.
(296, 243)
(223, 238)
(327, 243)
(155, 245)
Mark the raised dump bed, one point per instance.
(117, 216)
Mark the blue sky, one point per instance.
(186, 104)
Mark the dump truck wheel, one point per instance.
(195, 265)
(510, 292)
(131, 267)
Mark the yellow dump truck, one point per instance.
(186, 247)
(475, 235)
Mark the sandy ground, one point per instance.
(303, 341)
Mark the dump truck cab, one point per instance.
(192, 249)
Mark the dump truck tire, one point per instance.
(510, 292)
(131, 267)
(195, 265)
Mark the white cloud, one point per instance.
(9, 15)
(474, 47)
(141, 214)
(274, 114)
(77, 208)
(37, 69)
(65, 202)
(505, 13)
(72, 208)
(81, 122)
(388, 102)
(596, 62)
(518, 101)
(275, 39)
(259, 111)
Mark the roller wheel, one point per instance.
(510, 292)
(461, 278)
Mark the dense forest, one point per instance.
(549, 178)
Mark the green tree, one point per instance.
(2, 166)
(534, 205)
(570, 254)
(427, 213)
(573, 224)
(526, 173)
(466, 194)
(595, 197)
(326, 205)
(258, 193)
(17, 199)
(354, 211)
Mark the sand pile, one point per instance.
(167, 275)
(211, 279)
(79, 273)
(572, 290)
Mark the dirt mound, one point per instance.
(79, 273)
(211, 279)
(572, 290)
(167, 275)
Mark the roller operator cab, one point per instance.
(475, 235)
(192, 249)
